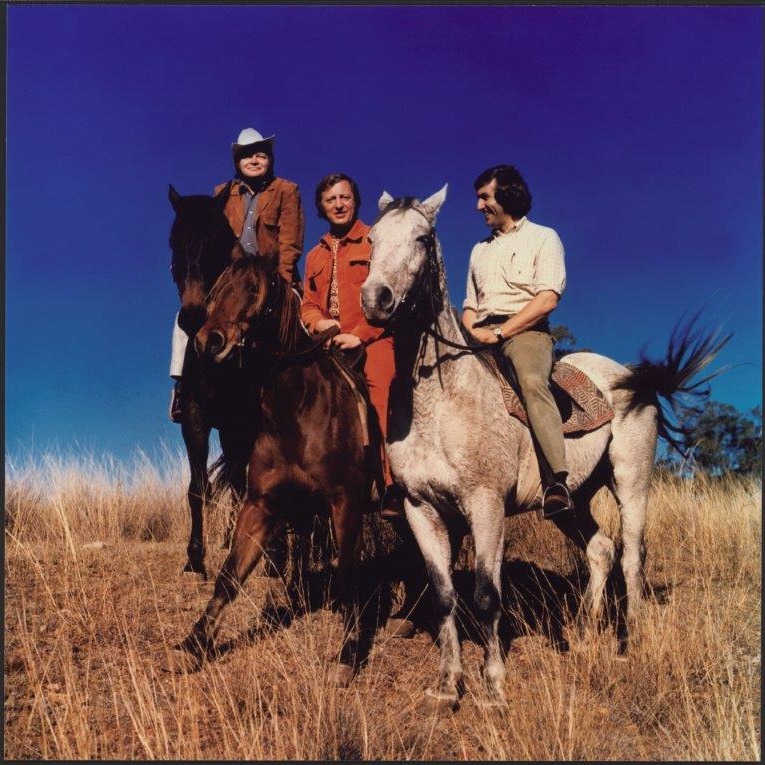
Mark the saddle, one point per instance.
(582, 406)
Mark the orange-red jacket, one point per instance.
(352, 269)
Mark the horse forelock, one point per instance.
(248, 288)
(402, 203)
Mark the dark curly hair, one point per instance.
(330, 180)
(512, 192)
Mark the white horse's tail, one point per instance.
(673, 379)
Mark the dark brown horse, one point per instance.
(309, 455)
(211, 394)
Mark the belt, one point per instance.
(543, 325)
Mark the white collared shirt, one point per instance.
(507, 270)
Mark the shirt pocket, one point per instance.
(518, 269)
(358, 270)
(270, 218)
(313, 276)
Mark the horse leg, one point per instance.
(432, 537)
(582, 529)
(489, 536)
(630, 489)
(346, 520)
(631, 452)
(196, 437)
(255, 523)
(237, 449)
(297, 587)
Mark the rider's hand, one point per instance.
(484, 335)
(346, 341)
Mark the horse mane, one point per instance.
(484, 354)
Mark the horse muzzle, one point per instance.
(211, 343)
(378, 303)
(191, 318)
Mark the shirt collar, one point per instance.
(355, 234)
(519, 224)
(241, 188)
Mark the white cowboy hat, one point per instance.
(250, 136)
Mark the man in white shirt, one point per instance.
(515, 279)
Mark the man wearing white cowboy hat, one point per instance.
(266, 213)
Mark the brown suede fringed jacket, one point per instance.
(279, 223)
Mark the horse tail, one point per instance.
(671, 385)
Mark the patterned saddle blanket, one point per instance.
(582, 406)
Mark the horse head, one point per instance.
(203, 244)
(249, 306)
(405, 274)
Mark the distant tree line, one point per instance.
(717, 439)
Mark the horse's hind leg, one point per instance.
(584, 531)
(489, 549)
(254, 525)
(432, 537)
(631, 486)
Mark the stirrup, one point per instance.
(556, 499)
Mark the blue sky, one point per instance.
(638, 129)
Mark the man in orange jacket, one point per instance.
(335, 270)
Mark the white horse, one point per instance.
(457, 452)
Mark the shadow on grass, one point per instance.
(535, 600)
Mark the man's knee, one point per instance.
(532, 383)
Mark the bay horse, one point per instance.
(458, 456)
(309, 454)
(211, 395)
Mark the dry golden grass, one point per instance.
(94, 598)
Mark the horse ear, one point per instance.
(432, 205)
(384, 201)
(175, 197)
(222, 196)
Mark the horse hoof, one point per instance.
(344, 673)
(492, 700)
(192, 573)
(400, 628)
(182, 662)
(437, 701)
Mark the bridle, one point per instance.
(424, 298)
(252, 333)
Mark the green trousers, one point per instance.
(531, 354)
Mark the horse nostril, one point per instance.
(191, 318)
(385, 298)
(215, 343)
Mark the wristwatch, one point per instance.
(498, 333)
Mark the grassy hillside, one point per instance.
(94, 598)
